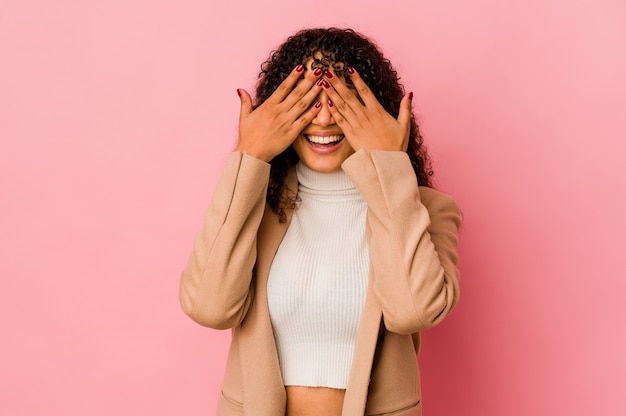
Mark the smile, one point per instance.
(324, 139)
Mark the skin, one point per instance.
(320, 103)
(301, 105)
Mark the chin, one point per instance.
(323, 166)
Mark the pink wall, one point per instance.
(116, 116)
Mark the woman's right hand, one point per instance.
(269, 129)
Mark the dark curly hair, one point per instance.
(337, 46)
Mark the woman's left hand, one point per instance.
(365, 123)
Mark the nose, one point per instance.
(324, 117)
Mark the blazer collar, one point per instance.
(264, 391)
(263, 386)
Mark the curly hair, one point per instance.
(337, 46)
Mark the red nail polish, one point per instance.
(317, 72)
(328, 74)
(300, 68)
(326, 84)
(350, 70)
(238, 92)
(318, 104)
(320, 82)
(411, 96)
(330, 103)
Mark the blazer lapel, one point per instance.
(355, 399)
(264, 391)
(358, 383)
(262, 381)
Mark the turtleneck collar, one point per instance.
(332, 181)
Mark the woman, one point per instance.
(319, 249)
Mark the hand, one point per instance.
(271, 128)
(365, 123)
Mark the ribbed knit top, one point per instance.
(318, 281)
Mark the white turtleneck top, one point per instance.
(318, 281)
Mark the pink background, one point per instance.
(115, 119)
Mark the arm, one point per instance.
(215, 286)
(412, 245)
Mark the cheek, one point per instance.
(298, 145)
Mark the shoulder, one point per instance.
(434, 197)
(437, 202)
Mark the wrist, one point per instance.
(251, 152)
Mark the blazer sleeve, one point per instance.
(215, 286)
(412, 241)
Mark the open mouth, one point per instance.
(322, 141)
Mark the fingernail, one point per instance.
(350, 70)
(330, 103)
(238, 92)
(411, 96)
(300, 68)
(320, 82)
(326, 84)
(328, 74)
(318, 104)
(317, 72)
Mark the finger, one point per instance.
(343, 91)
(340, 119)
(305, 119)
(363, 91)
(246, 103)
(404, 116)
(348, 104)
(308, 83)
(300, 105)
(286, 86)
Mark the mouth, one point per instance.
(324, 141)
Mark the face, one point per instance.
(322, 146)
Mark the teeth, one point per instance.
(325, 140)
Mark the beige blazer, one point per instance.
(413, 282)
